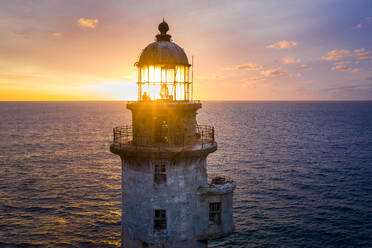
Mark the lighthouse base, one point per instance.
(131, 243)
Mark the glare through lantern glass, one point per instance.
(157, 82)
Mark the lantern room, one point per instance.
(164, 70)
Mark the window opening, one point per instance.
(160, 219)
(215, 213)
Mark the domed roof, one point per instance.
(163, 51)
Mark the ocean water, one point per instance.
(303, 172)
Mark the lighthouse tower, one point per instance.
(167, 199)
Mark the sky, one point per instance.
(242, 49)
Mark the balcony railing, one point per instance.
(164, 101)
(123, 136)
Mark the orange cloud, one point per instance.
(344, 68)
(342, 63)
(304, 67)
(283, 44)
(248, 67)
(279, 72)
(362, 53)
(335, 55)
(87, 23)
(291, 60)
(255, 79)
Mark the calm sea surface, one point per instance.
(303, 170)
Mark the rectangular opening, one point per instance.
(214, 213)
(161, 130)
(160, 174)
(160, 219)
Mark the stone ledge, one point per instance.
(218, 186)
(130, 150)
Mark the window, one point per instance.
(214, 213)
(160, 175)
(160, 219)
(161, 129)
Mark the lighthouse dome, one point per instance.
(163, 51)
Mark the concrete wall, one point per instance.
(212, 231)
(178, 196)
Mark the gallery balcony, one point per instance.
(126, 140)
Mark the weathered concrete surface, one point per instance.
(177, 195)
(217, 193)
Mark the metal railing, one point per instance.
(160, 101)
(205, 133)
(123, 136)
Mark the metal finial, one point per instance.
(163, 29)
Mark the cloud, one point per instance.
(256, 79)
(362, 53)
(248, 67)
(282, 44)
(335, 55)
(304, 67)
(341, 63)
(350, 87)
(345, 69)
(57, 34)
(279, 72)
(291, 60)
(87, 23)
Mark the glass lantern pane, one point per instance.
(157, 78)
(163, 75)
(151, 73)
(187, 74)
(144, 74)
(170, 75)
(182, 74)
(154, 74)
(151, 90)
(178, 73)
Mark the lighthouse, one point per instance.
(167, 199)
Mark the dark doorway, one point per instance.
(161, 130)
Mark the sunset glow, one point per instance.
(243, 50)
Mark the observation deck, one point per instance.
(163, 103)
(126, 142)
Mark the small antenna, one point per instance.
(192, 78)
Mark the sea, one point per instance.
(303, 172)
